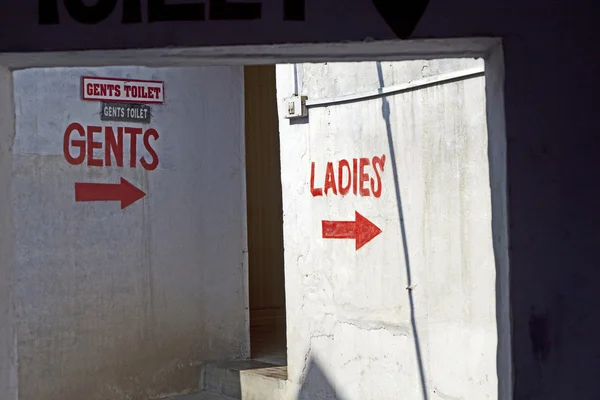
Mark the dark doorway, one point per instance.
(265, 216)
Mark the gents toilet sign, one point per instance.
(125, 112)
(122, 90)
(114, 145)
(67, 25)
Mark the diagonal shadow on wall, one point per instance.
(385, 111)
(316, 385)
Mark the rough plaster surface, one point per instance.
(349, 312)
(8, 369)
(125, 304)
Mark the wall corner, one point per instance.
(497, 153)
(8, 342)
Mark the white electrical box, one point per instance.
(295, 107)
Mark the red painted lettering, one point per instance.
(354, 175)
(377, 163)
(103, 89)
(118, 90)
(329, 180)
(91, 145)
(344, 189)
(114, 146)
(363, 178)
(89, 88)
(97, 89)
(127, 90)
(315, 191)
(76, 143)
(133, 132)
(134, 91)
(150, 166)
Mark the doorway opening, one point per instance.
(265, 241)
(265, 217)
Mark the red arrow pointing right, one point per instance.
(124, 192)
(361, 229)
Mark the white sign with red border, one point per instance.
(122, 90)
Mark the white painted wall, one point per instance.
(350, 317)
(114, 304)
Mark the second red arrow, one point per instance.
(361, 230)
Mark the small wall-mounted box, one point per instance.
(295, 107)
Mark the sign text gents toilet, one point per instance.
(122, 90)
(160, 11)
(125, 112)
(123, 100)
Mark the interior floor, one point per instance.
(268, 337)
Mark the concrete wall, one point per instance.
(111, 303)
(552, 149)
(412, 314)
(8, 369)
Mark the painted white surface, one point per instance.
(349, 312)
(114, 304)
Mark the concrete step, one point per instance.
(201, 396)
(247, 379)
